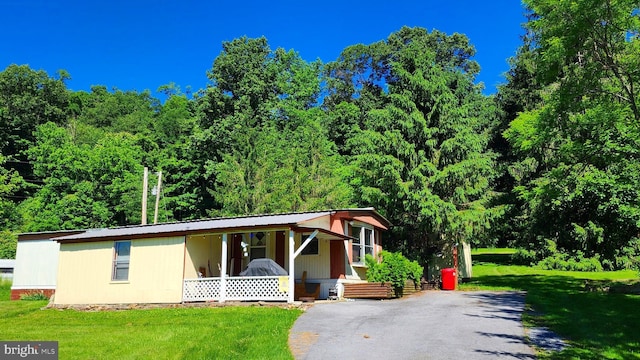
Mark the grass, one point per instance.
(247, 332)
(597, 324)
(5, 289)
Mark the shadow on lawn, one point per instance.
(498, 259)
(598, 325)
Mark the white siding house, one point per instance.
(36, 264)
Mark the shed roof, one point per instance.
(47, 235)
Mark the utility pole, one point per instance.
(155, 213)
(145, 186)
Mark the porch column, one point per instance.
(292, 280)
(223, 270)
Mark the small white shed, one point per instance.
(36, 263)
(6, 268)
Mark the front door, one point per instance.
(337, 259)
(236, 255)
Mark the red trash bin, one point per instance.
(449, 278)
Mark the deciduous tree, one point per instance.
(585, 133)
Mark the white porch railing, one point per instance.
(238, 288)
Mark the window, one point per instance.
(121, 253)
(312, 247)
(364, 245)
(368, 241)
(258, 244)
(356, 247)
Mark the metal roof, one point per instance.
(292, 219)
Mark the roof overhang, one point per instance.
(323, 234)
(368, 215)
(293, 221)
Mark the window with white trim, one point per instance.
(364, 245)
(121, 255)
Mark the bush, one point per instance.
(36, 295)
(393, 268)
(562, 261)
(523, 257)
(628, 257)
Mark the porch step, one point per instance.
(368, 291)
(376, 290)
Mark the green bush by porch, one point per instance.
(393, 268)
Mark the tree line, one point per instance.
(548, 164)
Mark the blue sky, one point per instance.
(142, 44)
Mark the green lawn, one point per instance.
(598, 324)
(250, 332)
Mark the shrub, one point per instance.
(393, 268)
(628, 257)
(523, 257)
(35, 295)
(562, 261)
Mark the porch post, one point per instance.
(223, 270)
(292, 280)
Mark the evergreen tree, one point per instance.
(419, 147)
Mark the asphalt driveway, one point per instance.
(428, 325)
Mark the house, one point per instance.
(36, 264)
(6, 269)
(202, 260)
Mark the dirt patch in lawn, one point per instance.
(301, 342)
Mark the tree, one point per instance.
(260, 135)
(521, 93)
(584, 134)
(419, 149)
(85, 186)
(185, 187)
(28, 98)
(117, 111)
(10, 184)
(8, 244)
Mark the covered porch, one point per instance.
(213, 262)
